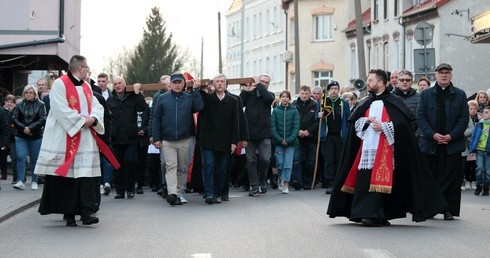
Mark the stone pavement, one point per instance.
(13, 201)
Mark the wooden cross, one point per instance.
(204, 83)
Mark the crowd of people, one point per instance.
(400, 149)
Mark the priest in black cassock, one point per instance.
(382, 174)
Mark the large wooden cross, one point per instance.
(204, 82)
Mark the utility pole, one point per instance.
(360, 41)
(296, 48)
(202, 58)
(220, 68)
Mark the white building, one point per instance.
(256, 41)
(390, 43)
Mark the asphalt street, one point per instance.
(271, 225)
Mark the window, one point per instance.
(385, 9)
(409, 55)
(259, 26)
(396, 56)
(254, 33)
(375, 10)
(323, 27)
(322, 79)
(395, 8)
(267, 22)
(376, 57)
(353, 63)
(386, 56)
(368, 61)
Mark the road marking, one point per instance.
(377, 253)
(202, 255)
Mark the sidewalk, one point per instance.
(13, 201)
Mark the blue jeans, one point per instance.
(284, 161)
(214, 165)
(24, 146)
(482, 169)
(107, 170)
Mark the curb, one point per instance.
(19, 210)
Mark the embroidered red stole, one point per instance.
(72, 143)
(382, 171)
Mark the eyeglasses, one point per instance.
(83, 66)
(404, 80)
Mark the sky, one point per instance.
(109, 26)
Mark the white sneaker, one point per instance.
(182, 199)
(19, 186)
(101, 189)
(285, 190)
(34, 186)
(280, 185)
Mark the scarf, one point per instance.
(373, 147)
(72, 143)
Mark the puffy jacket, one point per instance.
(457, 117)
(475, 138)
(285, 125)
(172, 117)
(30, 114)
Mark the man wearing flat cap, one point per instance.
(442, 116)
(172, 128)
(333, 131)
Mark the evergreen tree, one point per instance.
(155, 55)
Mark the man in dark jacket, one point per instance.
(442, 116)
(409, 95)
(304, 154)
(172, 128)
(257, 101)
(333, 132)
(219, 134)
(124, 134)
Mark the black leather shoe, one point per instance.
(217, 200)
(71, 222)
(172, 199)
(119, 196)
(372, 222)
(225, 198)
(139, 190)
(90, 220)
(130, 194)
(448, 216)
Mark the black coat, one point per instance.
(218, 122)
(124, 128)
(307, 119)
(413, 190)
(258, 110)
(242, 120)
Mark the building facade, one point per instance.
(256, 41)
(36, 35)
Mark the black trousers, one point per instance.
(127, 155)
(446, 171)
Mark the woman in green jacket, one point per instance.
(285, 127)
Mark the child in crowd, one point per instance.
(481, 145)
(285, 128)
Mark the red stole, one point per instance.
(72, 143)
(382, 171)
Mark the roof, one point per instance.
(236, 5)
(366, 19)
(425, 6)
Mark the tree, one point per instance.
(155, 55)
